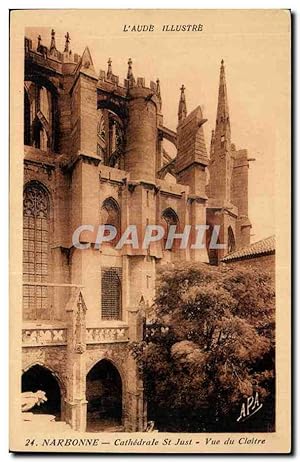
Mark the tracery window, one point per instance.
(35, 251)
(111, 293)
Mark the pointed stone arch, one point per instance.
(38, 376)
(104, 393)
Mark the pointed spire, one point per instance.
(223, 133)
(221, 167)
(182, 112)
(223, 109)
(158, 93)
(68, 38)
(109, 69)
(130, 75)
(52, 44)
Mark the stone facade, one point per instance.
(94, 154)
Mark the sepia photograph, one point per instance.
(150, 163)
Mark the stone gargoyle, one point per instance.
(29, 399)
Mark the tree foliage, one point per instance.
(210, 345)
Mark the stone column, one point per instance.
(136, 414)
(141, 144)
(76, 404)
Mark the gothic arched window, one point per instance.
(231, 240)
(111, 294)
(35, 251)
(170, 217)
(111, 215)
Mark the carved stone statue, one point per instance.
(29, 399)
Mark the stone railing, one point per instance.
(96, 335)
(51, 336)
(44, 336)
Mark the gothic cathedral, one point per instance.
(95, 154)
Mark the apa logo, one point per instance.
(249, 407)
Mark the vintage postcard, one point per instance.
(150, 271)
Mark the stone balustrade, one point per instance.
(106, 335)
(51, 336)
(42, 336)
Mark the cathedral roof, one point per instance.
(263, 247)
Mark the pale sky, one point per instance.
(255, 47)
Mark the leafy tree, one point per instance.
(210, 345)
